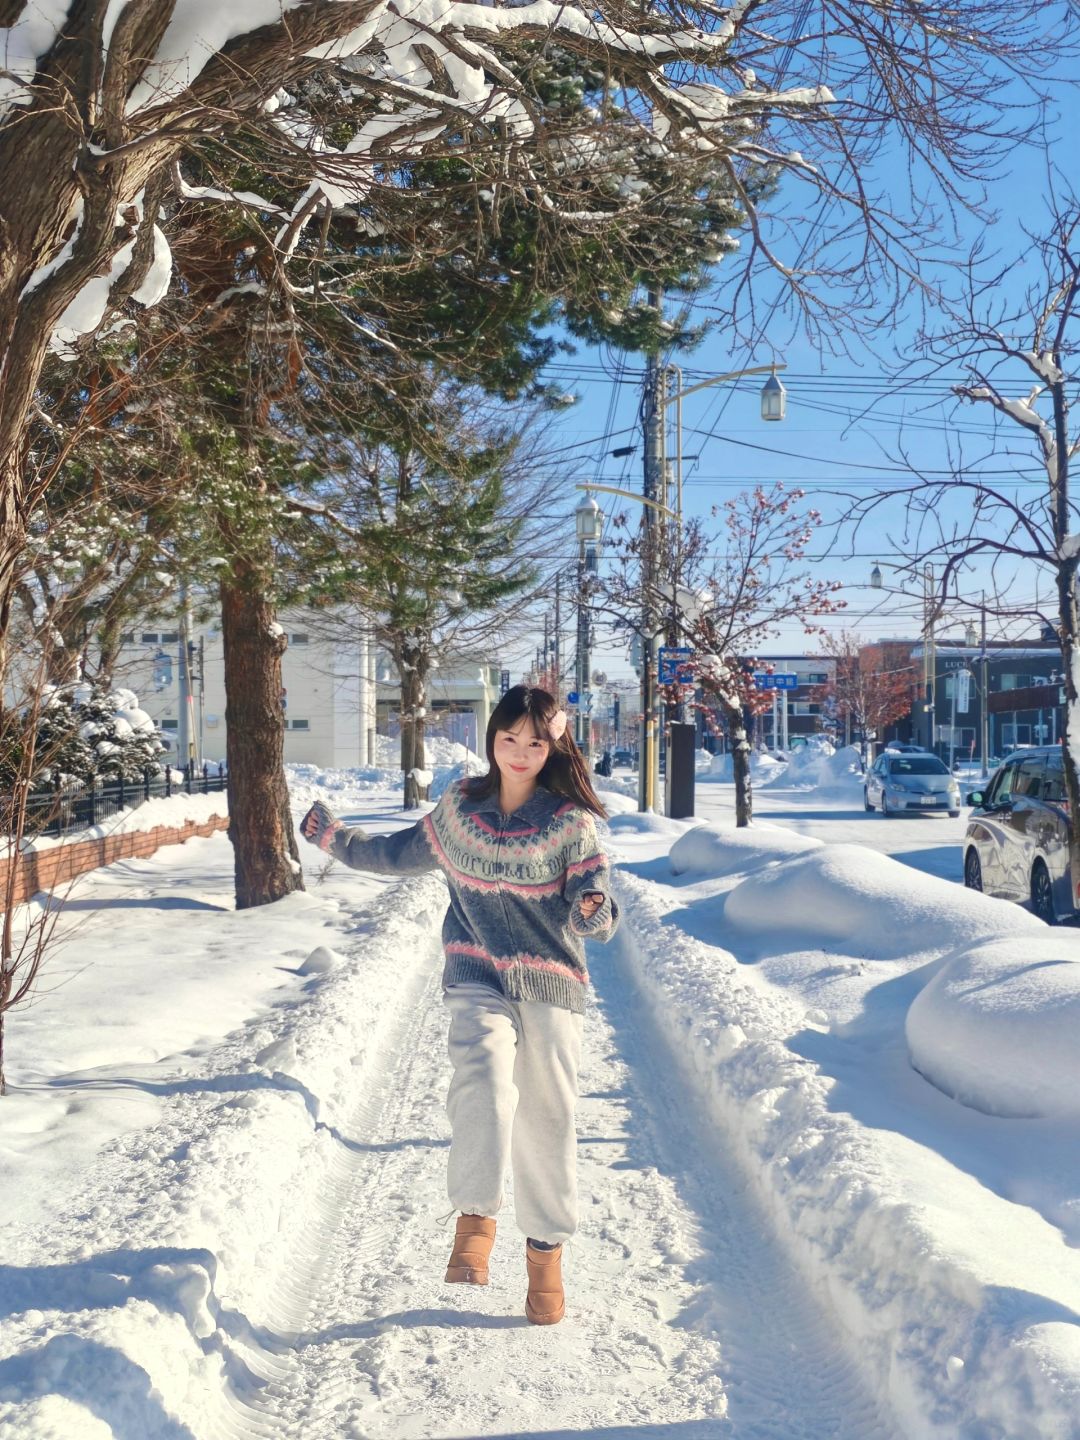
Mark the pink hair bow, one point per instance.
(557, 725)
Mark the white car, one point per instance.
(900, 783)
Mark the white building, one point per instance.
(338, 691)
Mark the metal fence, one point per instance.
(59, 811)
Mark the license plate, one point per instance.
(929, 800)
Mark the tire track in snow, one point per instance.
(786, 1369)
(682, 1307)
(262, 1407)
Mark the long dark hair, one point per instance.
(565, 772)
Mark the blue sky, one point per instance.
(846, 424)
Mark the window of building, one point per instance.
(1014, 735)
(299, 638)
(299, 724)
(805, 707)
(817, 677)
(170, 637)
(128, 637)
(170, 724)
(150, 637)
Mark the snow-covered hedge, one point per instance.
(85, 731)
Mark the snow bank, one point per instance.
(997, 1026)
(763, 768)
(960, 1306)
(880, 908)
(632, 822)
(350, 787)
(825, 770)
(715, 851)
(172, 811)
(135, 1305)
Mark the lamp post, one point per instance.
(589, 523)
(656, 507)
(929, 703)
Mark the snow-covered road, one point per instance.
(930, 843)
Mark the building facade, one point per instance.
(1024, 702)
(338, 691)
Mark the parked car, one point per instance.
(1017, 840)
(622, 757)
(904, 747)
(906, 781)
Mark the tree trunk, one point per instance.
(740, 763)
(413, 715)
(265, 853)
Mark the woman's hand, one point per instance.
(319, 826)
(590, 902)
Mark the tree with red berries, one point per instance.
(726, 609)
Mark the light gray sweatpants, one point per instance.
(511, 1103)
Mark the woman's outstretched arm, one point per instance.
(406, 852)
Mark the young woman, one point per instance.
(528, 884)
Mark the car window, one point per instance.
(1029, 778)
(917, 765)
(1001, 787)
(1054, 781)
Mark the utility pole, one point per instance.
(929, 657)
(653, 418)
(984, 706)
(558, 631)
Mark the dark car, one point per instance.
(1017, 840)
(622, 757)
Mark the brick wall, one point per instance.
(53, 869)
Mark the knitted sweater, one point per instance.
(515, 920)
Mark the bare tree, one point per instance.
(1019, 358)
(873, 686)
(726, 610)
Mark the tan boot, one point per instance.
(545, 1303)
(473, 1239)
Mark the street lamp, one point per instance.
(589, 524)
(773, 407)
(773, 399)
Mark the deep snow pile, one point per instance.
(763, 768)
(998, 1026)
(345, 789)
(946, 1237)
(824, 769)
(706, 850)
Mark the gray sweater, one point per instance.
(515, 920)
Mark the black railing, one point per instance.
(59, 810)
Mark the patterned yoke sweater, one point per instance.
(516, 881)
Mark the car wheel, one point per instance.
(1042, 893)
(973, 870)
(886, 812)
(866, 799)
(954, 814)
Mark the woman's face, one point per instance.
(519, 753)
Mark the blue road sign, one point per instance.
(779, 680)
(675, 664)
